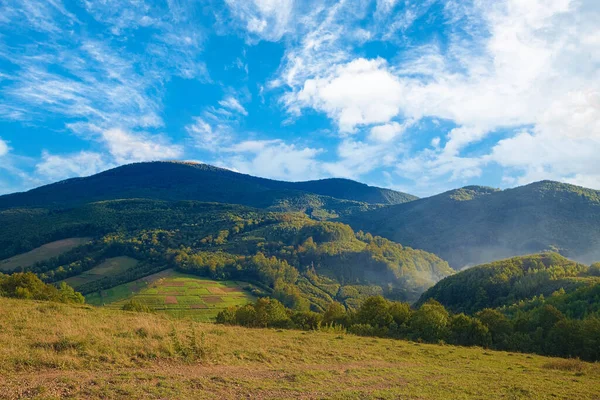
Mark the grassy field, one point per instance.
(51, 350)
(179, 295)
(110, 266)
(42, 253)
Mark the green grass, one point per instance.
(42, 253)
(50, 351)
(176, 294)
(110, 266)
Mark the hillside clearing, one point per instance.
(111, 266)
(51, 350)
(42, 253)
(176, 294)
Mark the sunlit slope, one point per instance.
(50, 350)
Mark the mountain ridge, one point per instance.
(470, 227)
(194, 181)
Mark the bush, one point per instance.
(26, 285)
(307, 320)
(136, 306)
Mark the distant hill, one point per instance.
(475, 224)
(505, 282)
(202, 182)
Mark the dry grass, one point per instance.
(572, 365)
(53, 351)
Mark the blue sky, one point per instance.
(421, 96)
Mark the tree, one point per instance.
(400, 312)
(246, 316)
(498, 325)
(307, 320)
(467, 331)
(430, 322)
(270, 313)
(226, 316)
(335, 314)
(375, 311)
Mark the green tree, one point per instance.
(498, 325)
(335, 314)
(430, 322)
(375, 311)
(468, 331)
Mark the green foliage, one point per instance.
(303, 263)
(506, 282)
(375, 311)
(465, 330)
(430, 322)
(28, 286)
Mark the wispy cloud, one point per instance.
(233, 104)
(265, 19)
(3, 148)
(57, 167)
(126, 147)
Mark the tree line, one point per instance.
(544, 329)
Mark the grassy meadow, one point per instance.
(50, 350)
(178, 295)
(41, 253)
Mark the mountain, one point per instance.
(505, 282)
(475, 224)
(202, 182)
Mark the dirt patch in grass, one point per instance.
(212, 299)
(174, 284)
(170, 300)
(198, 306)
(215, 290)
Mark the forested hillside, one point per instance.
(303, 262)
(474, 225)
(506, 282)
(202, 182)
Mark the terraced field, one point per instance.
(109, 267)
(42, 253)
(179, 295)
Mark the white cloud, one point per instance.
(233, 104)
(274, 159)
(540, 67)
(57, 167)
(507, 65)
(126, 147)
(388, 132)
(3, 148)
(205, 136)
(356, 158)
(361, 92)
(266, 19)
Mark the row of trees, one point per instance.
(544, 330)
